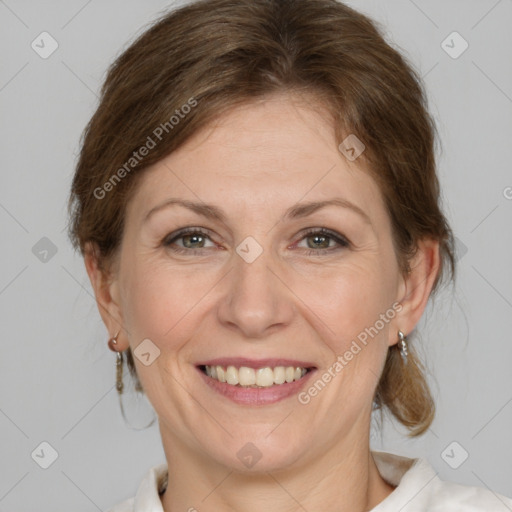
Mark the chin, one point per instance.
(260, 454)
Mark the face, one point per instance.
(265, 277)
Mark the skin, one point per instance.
(254, 163)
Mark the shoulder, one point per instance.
(125, 506)
(447, 496)
(418, 488)
(147, 497)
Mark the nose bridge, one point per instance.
(256, 300)
(252, 265)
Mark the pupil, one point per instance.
(193, 237)
(319, 237)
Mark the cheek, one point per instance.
(350, 299)
(364, 311)
(159, 305)
(163, 301)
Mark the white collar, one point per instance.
(418, 489)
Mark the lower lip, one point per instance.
(257, 396)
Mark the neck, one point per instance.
(344, 478)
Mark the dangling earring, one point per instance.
(112, 344)
(402, 346)
(119, 363)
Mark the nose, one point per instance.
(257, 298)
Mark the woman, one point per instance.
(258, 209)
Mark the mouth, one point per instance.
(251, 382)
(247, 377)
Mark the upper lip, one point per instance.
(255, 363)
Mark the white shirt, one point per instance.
(418, 489)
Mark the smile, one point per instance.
(244, 376)
(255, 382)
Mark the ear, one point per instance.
(106, 291)
(415, 287)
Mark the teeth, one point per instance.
(279, 375)
(264, 377)
(249, 377)
(221, 374)
(231, 375)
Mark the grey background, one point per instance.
(56, 372)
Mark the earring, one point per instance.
(112, 342)
(402, 346)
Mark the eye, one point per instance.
(192, 239)
(321, 239)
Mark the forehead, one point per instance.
(266, 154)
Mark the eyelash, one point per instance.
(339, 239)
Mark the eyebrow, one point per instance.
(298, 211)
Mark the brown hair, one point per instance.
(214, 55)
